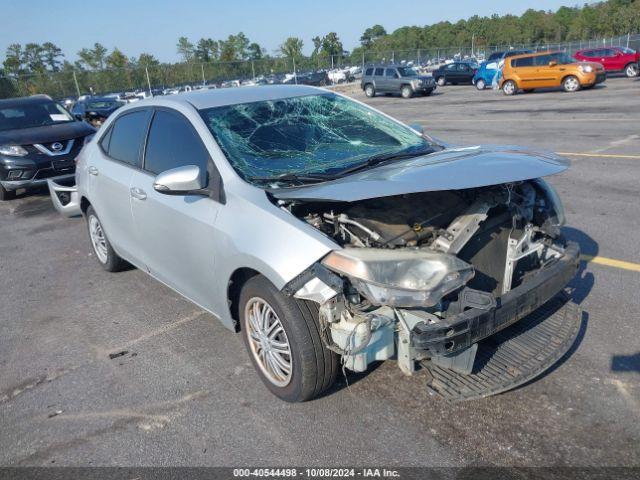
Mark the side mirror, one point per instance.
(189, 179)
(417, 127)
(553, 63)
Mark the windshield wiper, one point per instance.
(294, 177)
(381, 158)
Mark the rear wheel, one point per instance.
(6, 194)
(509, 87)
(631, 70)
(480, 84)
(441, 81)
(106, 255)
(369, 90)
(406, 91)
(283, 338)
(571, 84)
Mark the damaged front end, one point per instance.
(426, 277)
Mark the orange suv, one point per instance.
(548, 70)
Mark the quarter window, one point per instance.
(173, 143)
(127, 137)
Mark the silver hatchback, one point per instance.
(325, 231)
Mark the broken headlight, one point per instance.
(400, 278)
(554, 204)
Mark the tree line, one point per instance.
(34, 68)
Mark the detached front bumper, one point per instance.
(34, 182)
(65, 198)
(471, 326)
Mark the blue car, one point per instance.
(490, 70)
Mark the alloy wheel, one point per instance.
(571, 84)
(631, 70)
(268, 341)
(98, 239)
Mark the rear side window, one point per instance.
(379, 72)
(127, 137)
(522, 62)
(173, 143)
(542, 60)
(369, 72)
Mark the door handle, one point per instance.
(138, 193)
(92, 170)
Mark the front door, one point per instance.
(176, 232)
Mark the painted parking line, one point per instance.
(611, 262)
(599, 155)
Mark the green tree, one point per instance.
(33, 57)
(372, 34)
(13, 59)
(185, 49)
(147, 60)
(292, 47)
(51, 54)
(256, 52)
(206, 50)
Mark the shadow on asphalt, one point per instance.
(583, 282)
(626, 363)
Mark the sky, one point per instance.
(154, 26)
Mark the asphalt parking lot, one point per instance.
(116, 369)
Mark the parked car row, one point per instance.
(511, 71)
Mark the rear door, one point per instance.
(525, 71)
(176, 231)
(615, 59)
(110, 169)
(378, 76)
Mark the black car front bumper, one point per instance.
(466, 328)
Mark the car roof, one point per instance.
(20, 101)
(537, 54)
(209, 98)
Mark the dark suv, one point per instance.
(39, 139)
(395, 79)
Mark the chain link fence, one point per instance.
(75, 82)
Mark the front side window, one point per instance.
(562, 58)
(322, 134)
(173, 143)
(407, 72)
(127, 137)
(390, 72)
(32, 114)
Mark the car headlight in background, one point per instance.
(400, 278)
(13, 150)
(586, 68)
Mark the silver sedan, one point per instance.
(327, 232)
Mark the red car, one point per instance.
(613, 59)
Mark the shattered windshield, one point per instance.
(314, 134)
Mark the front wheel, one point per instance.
(369, 90)
(284, 341)
(631, 70)
(509, 87)
(6, 194)
(106, 255)
(571, 84)
(480, 84)
(406, 92)
(441, 81)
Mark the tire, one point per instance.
(312, 368)
(6, 194)
(509, 88)
(106, 255)
(406, 91)
(369, 90)
(427, 93)
(481, 84)
(441, 81)
(631, 70)
(571, 84)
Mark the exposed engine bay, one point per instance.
(417, 272)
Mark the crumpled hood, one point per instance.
(453, 168)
